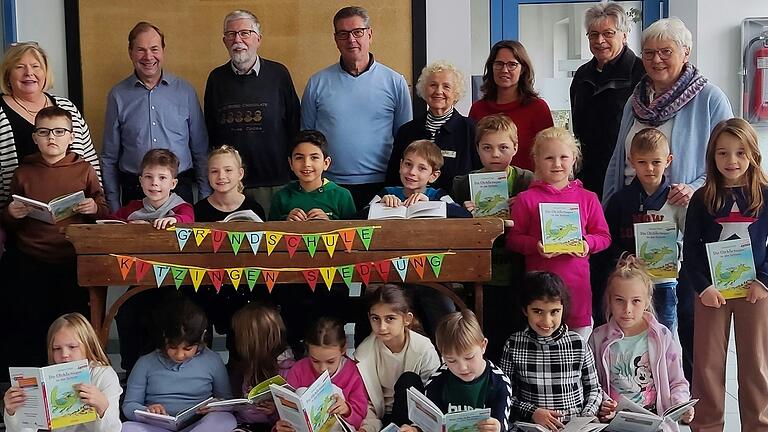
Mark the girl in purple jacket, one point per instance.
(636, 356)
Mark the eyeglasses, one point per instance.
(44, 132)
(244, 34)
(664, 53)
(608, 34)
(510, 65)
(344, 34)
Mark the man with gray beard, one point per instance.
(251, 104)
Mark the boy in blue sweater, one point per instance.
(645, 200)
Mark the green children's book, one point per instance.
(656, 245)
(490, 193)
(52, 402)
(561, 228)
(731, 266)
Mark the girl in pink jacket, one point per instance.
(326, 351)
(636, 356)
(556, 154)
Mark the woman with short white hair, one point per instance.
(678, 101)
(441, 85)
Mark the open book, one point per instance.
(173, 423)
(421, 209)
(308, 411)
(577, 424)
(53, 211)
(243, 215)
(490, 193)
(424, 413)
(52, 401)
(631, 417)
(259, 393)
(560, 228)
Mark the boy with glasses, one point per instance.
(43, 258)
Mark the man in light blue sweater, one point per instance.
(358, 104)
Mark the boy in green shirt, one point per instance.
(311, 197)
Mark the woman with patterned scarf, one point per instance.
(677, 100)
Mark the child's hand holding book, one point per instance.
(91, 395)
(87, 206)
(13, 399)
(757, 292)
(489, 425)
(548, 418)
(156, 409)
(18, 210)
(340, 406)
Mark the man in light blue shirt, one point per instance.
(358, 104)
(152, 109)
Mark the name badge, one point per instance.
(448, 153)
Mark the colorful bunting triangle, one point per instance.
(330, 241)
(182, 235)
(311, 276)
(251, 276)
(234, 276)
(178, 274)
(346, 273)
(364, 271)
(292, 243)
(197, 276)
(270, 277)
(217, 238)
(273, 238)
(254, 239)
(141, 269)
(365, 234)
(235, 239)
(328, 273)
(125, 263)
(311, 240)
(200, 234)
(401, 266)
(161, 271)
(436, 262)
(418, 263)
(217, 278)
(348, 238)
(382, 268)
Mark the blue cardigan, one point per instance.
(688, 143)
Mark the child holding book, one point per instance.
(636, 356)
(551, 368)
(71, 338)
(467, 380)
(392, 357)
(225, 174)
(645, 200)
(263, 353)
(731, 204)
(42, 252)
(326, 351)
(556, 155)
(497, 144)
(181, 373)
(160, 206)
(419, 167)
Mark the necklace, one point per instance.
(32, 113)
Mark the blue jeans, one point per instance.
(665, 303)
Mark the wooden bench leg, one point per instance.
(479, 302)
(103, 331)
(98, 303)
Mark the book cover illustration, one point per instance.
(490, 193)
(732, 266)
(656, 245)
(561, 228)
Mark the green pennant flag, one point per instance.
(311, 240)
(436, 262)
(179, 273)
(251, 275)
(235, 239)
(365, 234)
(346, 273)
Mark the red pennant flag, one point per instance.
(217, 237)
(382, 268)
(291, 243)
(142, 268)
(348, 237)
(217, 278)
(311, 276)
(418, 263)
(270, 277)
(364, 270)
(125, 263)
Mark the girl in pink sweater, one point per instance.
(556, 154)
(326, 349)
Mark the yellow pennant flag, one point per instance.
(200, 234)
(273, 238)
(330, 241)
(235, 274)
(328, 273)
(197, 276)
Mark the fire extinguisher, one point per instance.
(760, 87)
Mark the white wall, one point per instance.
(43, 21)
(449, 26)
